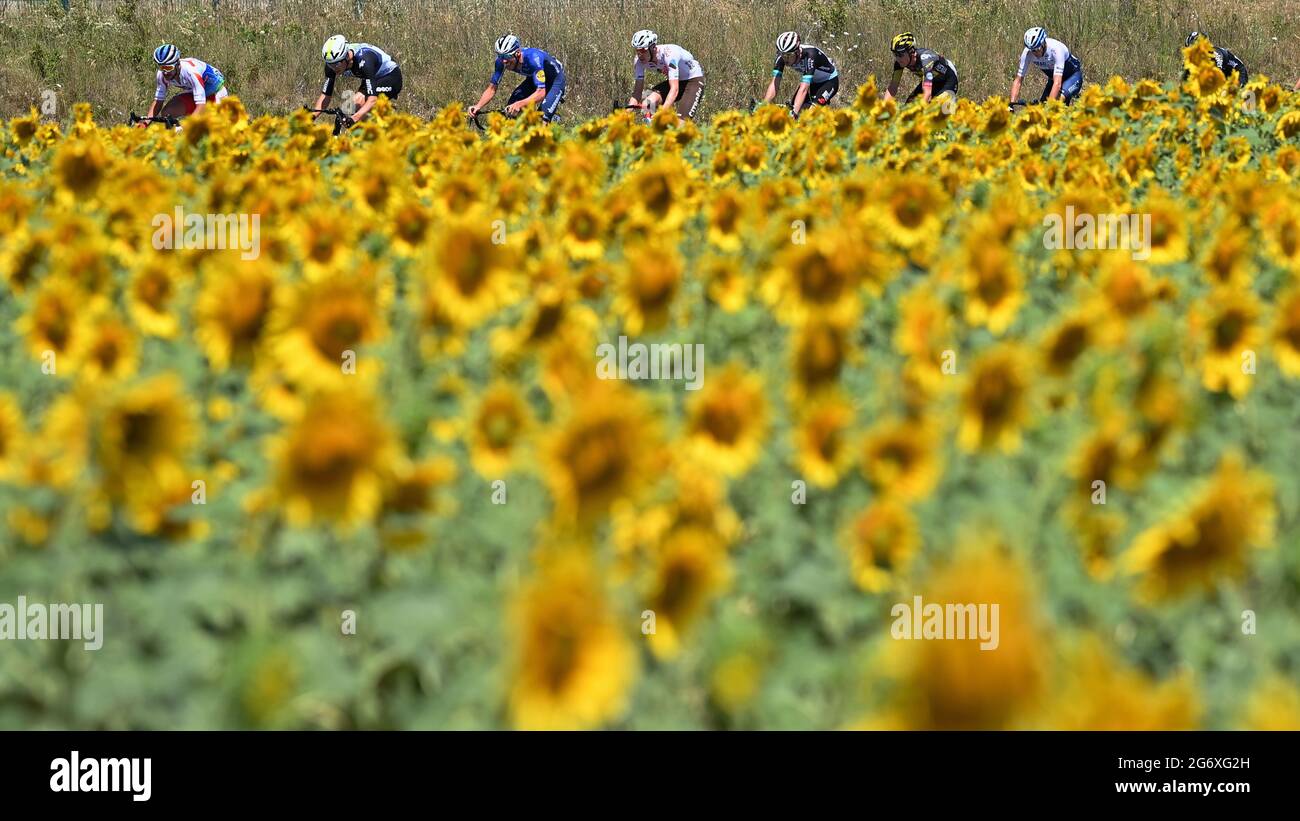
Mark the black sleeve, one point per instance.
(367, 68)
(328, 88)
(778, 67)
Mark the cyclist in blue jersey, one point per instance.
(543, 79)
(379, 74)
(819, 80)
(199, 83)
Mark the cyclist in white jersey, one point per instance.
(1063, 69)
(684, 87)
(199, 83)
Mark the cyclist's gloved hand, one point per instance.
(348, 122)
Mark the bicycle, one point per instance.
(342, 119)
(641, 112)
(480, 118)
(174, 122)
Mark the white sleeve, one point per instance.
(160, 93)
(638, 68)
(1024, 63)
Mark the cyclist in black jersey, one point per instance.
(1224, 59)
(379, 73)
(938, 74)
(819, 79)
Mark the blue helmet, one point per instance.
(167, 55)
(1035, 37)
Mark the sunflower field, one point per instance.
(370, 477)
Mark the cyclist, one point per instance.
(202, 81)
(379, 73)
(1224, 59)
(819, 79)
(684, 87)
(1064, 70)
(938, 74)
(543, 78)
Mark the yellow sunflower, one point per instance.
(573, 665)
(331, 464)
(606, 448)
(689, 569)
(900, 458)
(1225, 326)
(726, 422)
(1101, 692)
(1211, 540)
(995, 403)
(498, 430)
(142, 438)
(319, 331)
(232, 314)
(881, 541)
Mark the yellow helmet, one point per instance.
(903, 42)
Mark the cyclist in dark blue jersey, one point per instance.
(1227, 62)
(543, 79)
(819, 80)
(379, 73)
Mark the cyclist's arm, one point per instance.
(674, 89)
(498, 69)
(539, 92)
(1020, 76)
(802, 94)
(1057, 81)
(638, 89)
(367, 68)
(1297, 85)
(892, 91)
(488, 94)
(159, 95)
(777, 71)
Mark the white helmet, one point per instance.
(335, 49)
(1035, 37)
(787, 42)
(506, 45)
(645, 38)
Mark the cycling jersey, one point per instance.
(195, 76)
(1228, 63)
(369, 64)
(674, 61)
(932, 67)
(536, 64)
(812, 64)
(1057, 61)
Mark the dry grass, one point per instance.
(269, 48)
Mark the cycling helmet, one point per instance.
(335, 49)
(167, 55)
(1035, 37)
(787, 42)
(1192, 38)
(903, 42)
(506, 45)
(645, 38)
